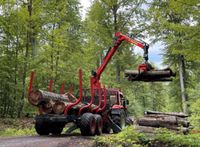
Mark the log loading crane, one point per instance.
(99, 111)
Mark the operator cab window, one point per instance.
(113, 99)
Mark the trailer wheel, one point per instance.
(99, 124)
(119, 120)
(87, 124)
(42, 128)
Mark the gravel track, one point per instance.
(73, 140)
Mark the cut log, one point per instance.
(59, 107)
(183, 122)
(51, 102)
(183, 115)
(150, 79)
(37, 96)
(170, 120)
(149, 76)
(45, 107)
(150, 131)
(157, 122)
(180, 121)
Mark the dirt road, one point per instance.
(74, 140)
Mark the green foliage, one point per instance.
(128, 137)
(195, 117)
(176, 23)
(162, 137)
(37, 35)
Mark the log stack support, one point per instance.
(49, 102)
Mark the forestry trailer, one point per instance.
(93, 110)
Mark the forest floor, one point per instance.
(17, 122)
(16, 127)
(73, 140)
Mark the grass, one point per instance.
(10, 132)
(176, 140)
(128, 137)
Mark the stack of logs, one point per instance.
(173, 121)
(49, 102)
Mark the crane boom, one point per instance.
(119, 38)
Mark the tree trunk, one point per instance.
(114, 9)
(181, 64)
(28, 41)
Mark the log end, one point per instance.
(59, 107)
(34, 97)
(45, 108)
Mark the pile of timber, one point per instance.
(49, 102)
(173, 121)
(150, 76)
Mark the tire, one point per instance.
(99, 124)
(87, 124)
(56, 129)
(119, 120)
(42, 128)
(129, 121)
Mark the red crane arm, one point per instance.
(119, 39)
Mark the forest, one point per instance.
(52, 38)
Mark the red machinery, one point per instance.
(109, 111)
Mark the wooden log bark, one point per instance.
(153, 75)
(150, 79)
(179, 120)
(157, 122)
(49, 102)
(152, 130)
(183, 115)
(37, 96)
(184, 122)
